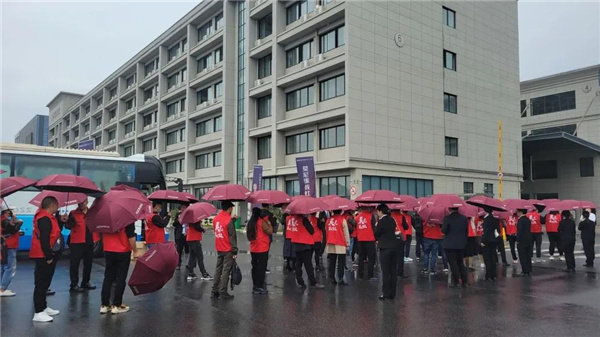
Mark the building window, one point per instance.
(263, 107)
(171, 166)
(553, 103)
(332, 137)
(449, 60)
(130, 81)
(264, 66)
(203, 161)
(545, 169)
(172, 109)
(488, 189)
(130, 104)
(219, 21)
(203, 95)
(149, 119)
(415, 187)
(300, 98)
(86, 128)
(467, 187)
(218, 123)
(204, 31)
(332, 39)
(112, 134)
(150, 67)
(128, 151)
(299, 8)
(570, 129)
(129, 127)
(523, 107)
(75, 134)
(98, 121)
(265, 26)
(218, 89)
(335, 185)
(99, 101)
(269, 183)
(298, 54)
(172, 137)
(150, 93)
(182, 135)
(149, 145)
(292, 187)
(209, 126)
(449, 17)
(112, 93)
(299, 143)
(450, 103)
(205, 62)
(112, 114)
(177, 50)
(333, 87)
(264, 147)
(218, 55)
(586, 166)
(217, 158)
(451, 146)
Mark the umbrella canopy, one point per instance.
(63, 198)
(433, 214)
(337, 203)
(305, 205)
(588, 204)
(11, 185)
(563, 205)
(486, 202)
(197, 212)
(169, 196)
(469, 211)
(116, 210)
(512, 205)
(379, 196)
(269, 197)
(68, 183)
(192, 198)
(231, 192)
(445, 200)
(154, 269)
(405, 206)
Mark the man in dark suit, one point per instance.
(488, 242)
(588, 237)
(524, 242)
(387, 241)
(456, 230)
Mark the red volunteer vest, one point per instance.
(12, 242)
(398, 220)
(471, 228)
(296, 231)
(318, 234)
(193, 234)
(536, 224)
(478, 227)
(220, 225)
(154, 234)
(35, 251)
(552, 221)
(116, 242)
(335, 231)
(432, 231)
(262, 241)
(511, 225)
(78, 231)
(364, 227)
(408, 219)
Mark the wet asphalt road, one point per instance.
(551, 303)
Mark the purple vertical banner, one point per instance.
(257, 180)
(306, 176)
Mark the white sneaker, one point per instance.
(409, 259)
(551, 258)
(483, 265)
(515, 261)
(51, 311)
(7, 293)
(562, 258)
(104, 309)
(42, 317)
(539, 260)
(445, 270)
(120, 309)
(206, 278)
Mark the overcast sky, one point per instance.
(49, 47)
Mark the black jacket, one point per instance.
(566, 230)
(385, 233)
(490, 226)
(588, 229)
(456, 231)
(524, 230)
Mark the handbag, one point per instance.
(236, 275)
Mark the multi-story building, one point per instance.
(34, 132)
(561, 128)
(399, 95)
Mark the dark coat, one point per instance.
(385, 233)
(588, 229)
(456, 231)
(524, 230)
(490, 226)
(566, 230)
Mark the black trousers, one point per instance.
(407, 245)
(115, 271)
(569, 250)
(85, 252)
(588, 248)
(554, 239)
(537, 238)
(525, 249)
(388, 261)
(303, 258)
(42, 275)
(512, 241)
(196, 257)
(419, 246)
(259, 269)
(335, 266)
(457, 266)
(500, 247)
(318, 251)
(366, 251)
(489, 251)
(400, 262)
(181, 245)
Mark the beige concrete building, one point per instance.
(399, 95)
(561, 129)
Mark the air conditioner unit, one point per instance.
(304, 64)
(304, 18)
(318, 9)
(211, 101)
(258, 82)
(320, 57)
(204, 104)
(258, 42)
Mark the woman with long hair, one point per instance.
(258, 233)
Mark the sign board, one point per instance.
(306, 176)
(352, 190)
(86, 144)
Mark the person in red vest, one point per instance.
(552, 221)
(511, 235)
(117, 254)
(194, 241)
(318, 237)
(402, 227)
(478, 235)
(536, 231)
(300, 231)
(408, 234)
(471, 249)
(226, 245)
(10, 234)
(45, 247)
(338, 241)
(258, 232)
(155, 226)
(82, 248)
(432, 240)
(365, 236)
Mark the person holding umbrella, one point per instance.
(536, 232)
(402, 226)
(258, 232)
(155, 226)
(226, 245)
(566, 230)
(365, 235)
(488, 244)
(511, 235)
(318, 237)
(588, 238)
(338, 240)
(456, 230)
(524, 241)
(387, 241)
(10, 235)
(194, 241)
(552, 221)
(82, 248)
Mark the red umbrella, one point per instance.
(445, 200)
(512, 205)
(405, 206)
(501, 214)
(192, 198)
(379, 196)
(337, 203)
(231, 192)
(469, 211)
(169, 196)
(116, 210)
(67, 183)
(433, 214)
(11, 185)
(305, 205)
(270, 197)
(486, 202)
(154, 269)
(197, 212)
(64, 199)
(588, 204)
(563, 205)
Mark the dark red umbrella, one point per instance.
(197, 212)
(192, 198)
(433, 214)
(379, 196)
(68, 183)
(231, 192)
(64, 199)
(305, 205)
(512, 205)
(587, 204)
(269, 197)
(469, 211)
(169, 196)
(486, 202)
(11, 185)
(445, 200)
(337, 203)
(154, 269)
(116, 210)
(563, 205)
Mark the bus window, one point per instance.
(39, 167)
(5, 165)
(106, 174)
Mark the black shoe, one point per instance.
(402, 276)
(301, 285)
(382, 298)
(88, 287)
(259, 291)
(76, 289)
(226, 296)
(588, 265)
(505, 264)
(214, 295)
(50, 292)
(342, 283)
